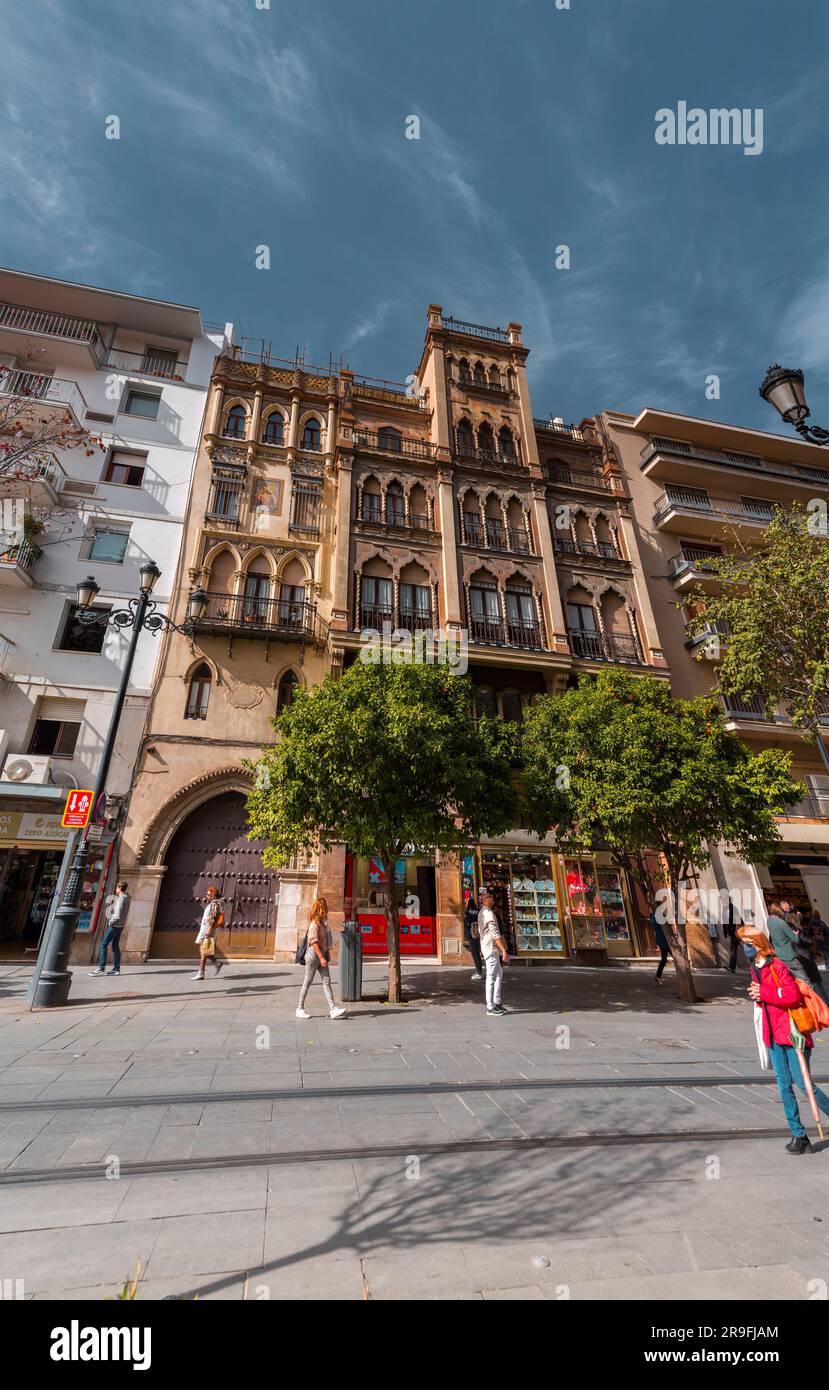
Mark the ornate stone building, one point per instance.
(327, 504)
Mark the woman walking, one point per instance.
(318, 944)
(775, 990)
(473, 945)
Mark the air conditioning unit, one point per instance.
(82, 489)
(28, 768)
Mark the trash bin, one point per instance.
(351, 961)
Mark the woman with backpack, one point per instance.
(776, 992)
(318, 946)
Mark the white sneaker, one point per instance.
(197, 976)
(95, 972)
(338, 1013)
(301, 1013)
(475, 976)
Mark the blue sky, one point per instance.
(286, 127)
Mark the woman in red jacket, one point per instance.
(775, 997)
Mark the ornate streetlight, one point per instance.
(52, 980)
(783, 388)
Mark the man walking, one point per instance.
(118, 905)
(494, 952)
(211, 919)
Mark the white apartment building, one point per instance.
(134, 372)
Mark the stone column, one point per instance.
(555, 622)
(449, 550)
(342, 566)
(144, 886)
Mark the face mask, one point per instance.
(750, 952)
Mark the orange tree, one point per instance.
(382, 757)
(621, 760)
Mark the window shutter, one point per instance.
(64, 711)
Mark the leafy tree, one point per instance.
(32, 430)
(642, 771)
(774, 601)
(383, 757)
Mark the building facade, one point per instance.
(700, 488)
(325, 505)
(134, 372)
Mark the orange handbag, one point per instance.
(817, 1007)
(801, 1015)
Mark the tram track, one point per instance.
(414, 1089)
(356, 1153)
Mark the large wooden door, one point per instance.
(211, 847)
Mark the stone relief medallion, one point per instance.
(245, 696)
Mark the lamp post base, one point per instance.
(52, 989)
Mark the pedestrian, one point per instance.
(775, 990)
(820, 930)
(730, 934)
(662, 945)
(494, 952)
(211, 920)
(115, 917)
(473, 945)
(784, 939)
(810, 934)
(318, 945)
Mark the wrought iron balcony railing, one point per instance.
(600, 550)
(611, 647)
(577, 477)
(377, 442)
(731, 458)
(756, 510)
(286, 619)
(474, 330)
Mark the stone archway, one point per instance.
(209, 846)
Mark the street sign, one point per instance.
(77, 810)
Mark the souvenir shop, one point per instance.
(554, 906)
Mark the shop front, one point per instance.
(32, 845)
(553, 906)
(366, 887)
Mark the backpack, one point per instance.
(302, 951)
(220, 920)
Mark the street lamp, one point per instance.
(52, 980)
(783, 388)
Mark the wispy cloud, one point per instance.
(368, 326)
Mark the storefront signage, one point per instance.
(77, 810)
(30, 827)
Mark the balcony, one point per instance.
(711, 635)
(587, 550)
(46, 391)
(577, 477)
(159, 366)
(696, 512)
(482, 387)
(474, 330)
(376, 442)
(80, 340)
(558, 427)
(691, 567)
(488, 458)
(496, 536)
(492, 632)
(661, 458)
(264, 618)
(396, 519)
(16, 565)
(616, 648)
(40, 480)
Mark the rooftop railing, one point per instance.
(682, 448)
(558, 426)
(474, 330)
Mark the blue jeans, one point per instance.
(788, 1073)
(112, 937)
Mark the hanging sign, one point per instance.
(77, 810)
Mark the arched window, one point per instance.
(521, 617)
(372, 501)
(480, 374)
(390, 439)
(506, 444)
(311, 434)
(465, 438)
(235, 423)
(274, 432)
(486, 440)
(512, 709)
(486, 702)
(198, 695)
(292, 597)
(464, 374)
(285, 691)
(494, 376)
(395, 505)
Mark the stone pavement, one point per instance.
(601, 1141)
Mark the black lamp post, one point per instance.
(51, 984)
(783, 388)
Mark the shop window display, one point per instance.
(613, 905)
(585, 904)
(526, 901)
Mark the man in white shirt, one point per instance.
(494, 952)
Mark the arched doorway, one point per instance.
(210, 846)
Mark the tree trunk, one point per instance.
(678, 941)
(392, 933)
